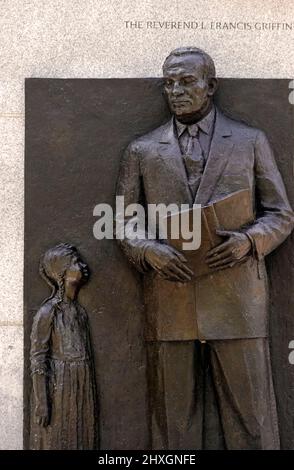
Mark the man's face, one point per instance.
(187, 86)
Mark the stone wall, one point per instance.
(90, 39)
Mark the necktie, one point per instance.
(194, 159)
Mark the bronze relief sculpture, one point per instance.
(208, 333)
(64, 399)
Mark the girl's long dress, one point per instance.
(61, 349)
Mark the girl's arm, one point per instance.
(40, 350)
(41, 411)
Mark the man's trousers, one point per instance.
(217, 395)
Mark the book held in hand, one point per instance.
(233, 212)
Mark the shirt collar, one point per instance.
(205, 124)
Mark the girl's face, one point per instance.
(77, 272)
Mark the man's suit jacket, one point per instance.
(226, 304)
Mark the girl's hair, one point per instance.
(53, 265)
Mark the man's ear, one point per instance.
(212, 86)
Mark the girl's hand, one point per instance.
(42, 415)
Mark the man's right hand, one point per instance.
(168, 262)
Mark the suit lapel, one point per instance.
(220, 151)
(170, 153)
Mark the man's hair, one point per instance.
(182, 51)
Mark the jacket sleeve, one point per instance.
(131, 231)
(275, 218)
(40, 339)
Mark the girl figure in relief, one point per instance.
(63, 405)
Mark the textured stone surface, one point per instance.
(11, 373)
(11, 227)
(88, 38)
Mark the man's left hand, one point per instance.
(230, 252)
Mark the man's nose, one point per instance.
(177, 89)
